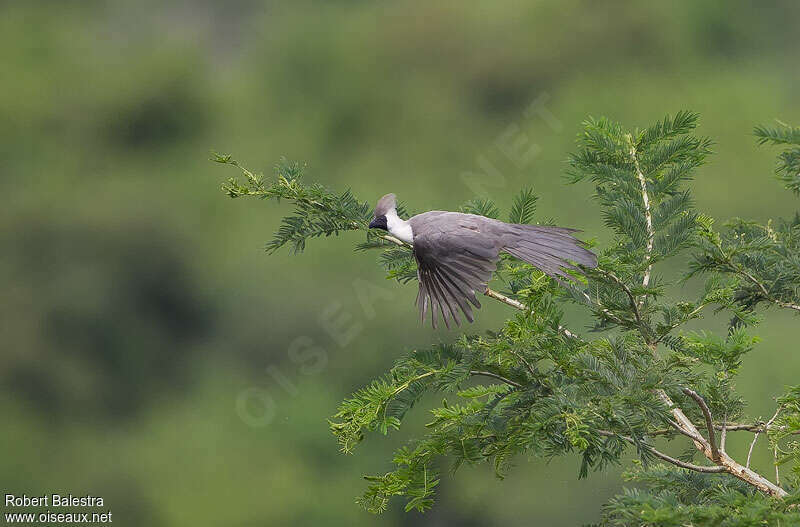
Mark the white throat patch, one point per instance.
(398, 228)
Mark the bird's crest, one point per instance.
(385, 204)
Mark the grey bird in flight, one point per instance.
(457, 253)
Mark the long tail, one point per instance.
(551, 249)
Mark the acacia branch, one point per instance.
(396, 241)
(491, 293)
(723, 460)
(735, 268)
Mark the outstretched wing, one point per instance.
(453, 264)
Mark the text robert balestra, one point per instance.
(53, 500)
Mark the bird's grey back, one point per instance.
(455, 222)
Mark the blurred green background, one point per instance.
(145, 332)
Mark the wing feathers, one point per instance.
(439, 299)
(456, 297)
(457, 253)
(450, 278)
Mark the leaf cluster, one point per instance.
(317, 211)
(676, 497)
(788, 166)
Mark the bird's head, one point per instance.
(386, 205)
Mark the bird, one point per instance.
(457, 253)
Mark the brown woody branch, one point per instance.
(712, 440)
(665, 457)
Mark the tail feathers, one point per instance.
(551, 249)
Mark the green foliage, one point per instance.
(524, 207)
(677, 497)
(762, 260)
(481, 207)
(536, 388)
(788, 166)
(785, 434)
(659, 158)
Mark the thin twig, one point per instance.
(495, 376)
(758, 431)
(750, 452)
(709, 421)
(525, 362)
(665, 457)
(491, 293)
(694, 435)
(765, 292)
(777, 467)
(775, 447)
(755, 428)
(628, 292)
(603, 309)
(724, 435)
